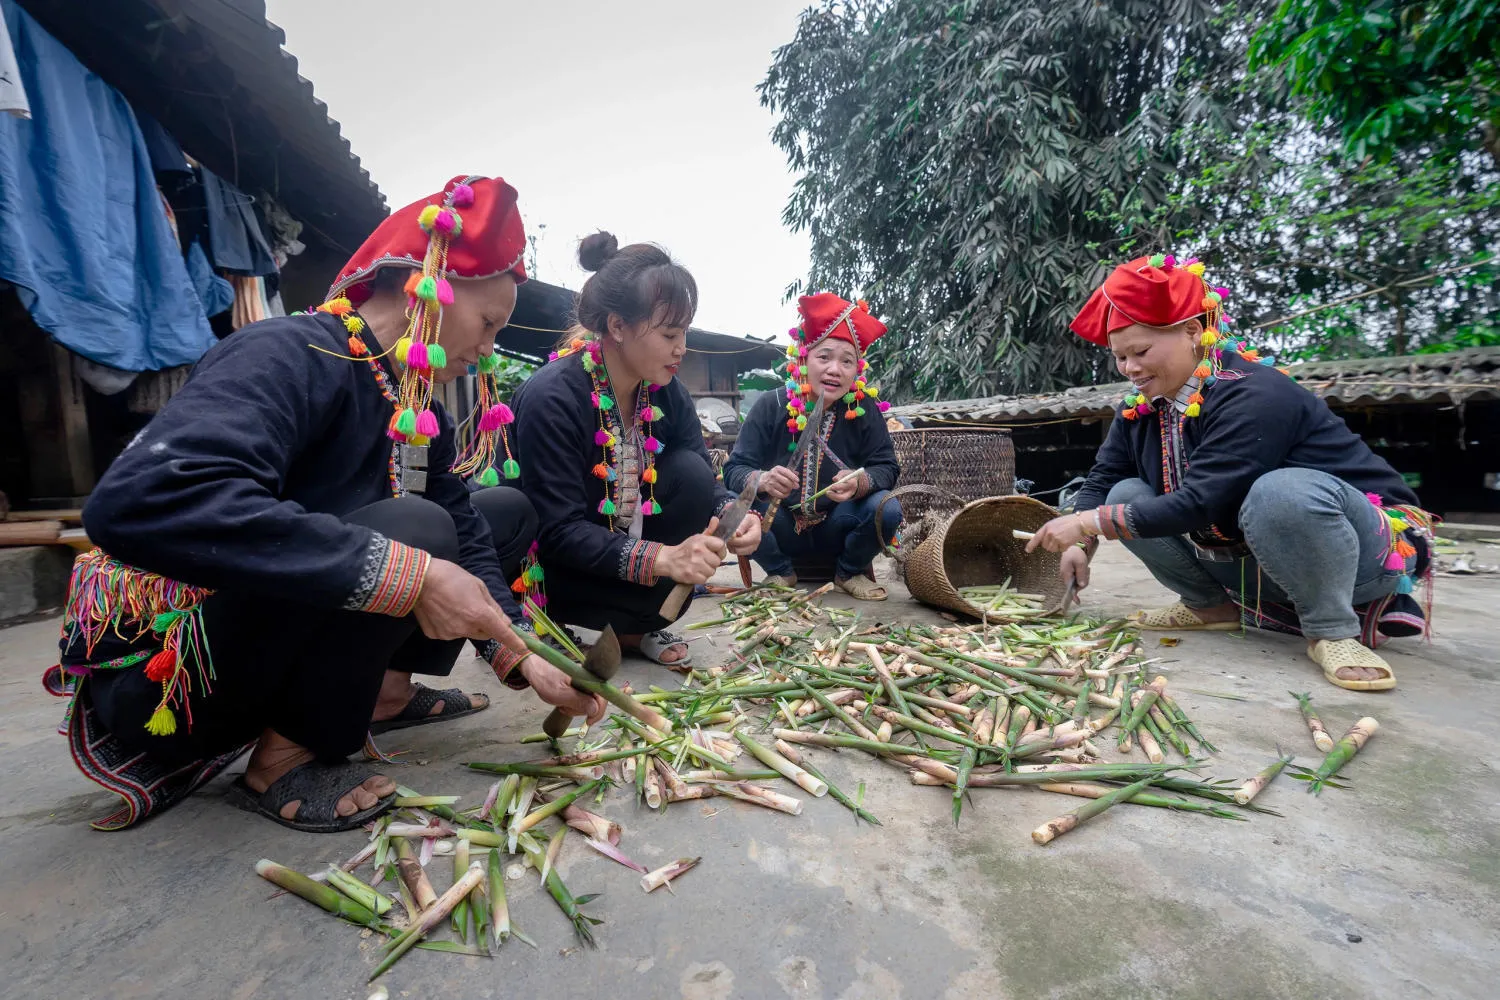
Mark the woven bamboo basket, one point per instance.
(967, 461)
(974, 547)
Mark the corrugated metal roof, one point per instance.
(213, 72)
(1460, 376)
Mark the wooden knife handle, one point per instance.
(770, 515)
(671, 608)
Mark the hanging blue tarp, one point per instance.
(82, 231)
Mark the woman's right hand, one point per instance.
(1074, 567)
(778, 483)
(695, 560)
(455, 604)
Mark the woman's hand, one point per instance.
(555, 688)
(747, 539)
(455, 604)
(845, 485)
(778, 483)
(695, 560)
(1074, 567)
(1058, 534)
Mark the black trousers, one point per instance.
(311, 675)
(687, 490)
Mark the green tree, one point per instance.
(969, 167)
(1393, 74)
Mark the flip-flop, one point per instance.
(1178, 618)
(653, 644)
(418, 711)
(319, 787)
(1335, 654)
(862, 588)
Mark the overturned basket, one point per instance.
(975, 547)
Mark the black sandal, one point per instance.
(418, 711)
(319, 787)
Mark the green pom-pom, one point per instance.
(487, 363)
(848, 397)
(605, 403)
(859, 411)
(489, 477)
(511, 468)
(437, 358)
(535, 574)
(791, 446)
(1157, 259)
(656, 413)
(427, 289)
(407, 422)
(165, 620)
(608, 508)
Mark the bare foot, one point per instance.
(1352, 673)
(396, 689)
(1226, 612)
(275, 755)
(670, 654)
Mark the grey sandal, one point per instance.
(319, 788)
(418, 711)
(653, 644)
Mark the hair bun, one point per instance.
(595, 250)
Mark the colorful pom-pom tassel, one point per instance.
(512, 469)
(791, 446)
(535, 574)
(1202, 371)
(1196, 267)
(503, 413)
(489, 477)
(427, 424)
(1404, 584)
(162, 722)
(1128, 413)
(354, 324)
(849, 397)
(801, 423)
(601, 437)
(444, 221)
(427, 288)
(1193, 409)
(649, 476)
(607, 507)
(601, 471)
(653, 444)
(403, 349)
(850, 415)
(165, 620)
(427, 217)
(791, 425)
(437, 357)
(462, 195)
(884, 406)
(1395, 561)
(406, 422)
(1143, 409)
(605, 403)
(161, 666)
(444, 292)
(657, 413)
(416, 355)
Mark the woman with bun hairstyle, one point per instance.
(612, 456)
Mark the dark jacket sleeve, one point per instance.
(553, 429)
(879, 458)
(1113, 463)
(195, 495)
(1241, 442)
(758, 447)
(476, 547)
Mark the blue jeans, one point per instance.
(848, 533)
(1316, 543)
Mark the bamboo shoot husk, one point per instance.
(431, 917)
(1052, 829)
(1250, 789)
(652, 881)
(413, 876)
(777, 762)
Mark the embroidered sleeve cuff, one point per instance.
(504, 661)
(639, 564)
(392, 580)
(864, 487)
(723, 504)
(1116, 522)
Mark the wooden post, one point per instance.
(77, 444)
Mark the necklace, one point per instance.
(609, 438)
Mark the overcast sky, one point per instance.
(640, 118)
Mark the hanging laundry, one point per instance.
(82, 232)
(12, 93)
(235, 241)
(250, 304)
(166, 155)
(214, 292)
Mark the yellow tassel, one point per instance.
(427, 216)
(402, 347)
(1196, 268)
(1193, 410)
(1209, 338)
(162, 722)
(354, 324)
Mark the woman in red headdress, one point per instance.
(835, 498)
(1239, 489)
(612, 456)
(286, 543)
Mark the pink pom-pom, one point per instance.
(395, 435)
(463, 196)
(793, 332)
(416, 355)
(427, 424)
(595, 397)
(651, 444)
(444, 292)
(1395, 561)
(645, 413)
(1374, 498)
(884, 406)
(601, 437)
(540, 600)
(503, 413)
(552, 355)
(1169, 263)
(444, 222)
(1143, 409)
(652, 387)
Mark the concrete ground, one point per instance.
(1388, 889)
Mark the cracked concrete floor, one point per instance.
(1388, 889)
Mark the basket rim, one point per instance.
(952, 430)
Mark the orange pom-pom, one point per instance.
(850, 415)
(806, 389)
(519, 586)
(357, 347)
(601, 471)
(1196, 397)
(791, 425)
(410, 288)
(161, 666)
(863, 305)
(338, 307)
(1129, 413)
(649, 476)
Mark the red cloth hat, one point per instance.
(486, 238)
(827, 315)
(1138, 292)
